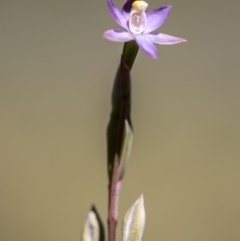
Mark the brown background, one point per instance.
(56, 74)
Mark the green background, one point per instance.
(56, 75)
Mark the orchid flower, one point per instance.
(139, 26)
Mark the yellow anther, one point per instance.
(140, 5)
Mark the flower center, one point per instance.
(137, 20)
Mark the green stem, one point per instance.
(121, 105)
(129, 53)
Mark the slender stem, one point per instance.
(121, 101)
(130, 50)
(121, 110)
(121, 98)
(114, 193)
(123, 113)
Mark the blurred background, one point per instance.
(55, 86)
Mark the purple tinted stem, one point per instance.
(114, 193)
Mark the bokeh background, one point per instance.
(56, 75)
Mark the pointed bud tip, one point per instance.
(134, 221)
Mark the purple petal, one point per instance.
(118, 35)
(127, 7)
(146, 45)
(156, 18)
(162, 38)
(116, 14)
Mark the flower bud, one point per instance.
(93, 228)
(134, 221)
